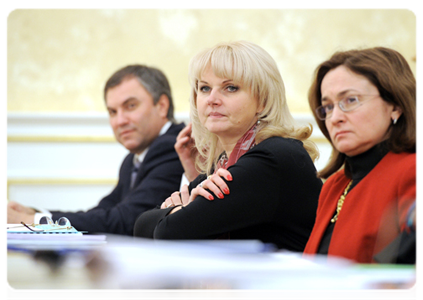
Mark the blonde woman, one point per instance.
(250, 152)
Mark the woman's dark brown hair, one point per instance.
(390, 73)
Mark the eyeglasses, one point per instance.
(348, 103)
(63, 221)
(46, 224)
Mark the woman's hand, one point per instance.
(187, 152)
(177, 199)
(214, 183)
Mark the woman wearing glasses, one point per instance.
(364, 102)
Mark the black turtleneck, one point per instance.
(358, 166)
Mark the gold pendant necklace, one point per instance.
(341, 202)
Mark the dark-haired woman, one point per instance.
(364, 101)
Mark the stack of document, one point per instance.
(40, 229)
(49, 237)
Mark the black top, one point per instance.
(359, 166)
(273, 198)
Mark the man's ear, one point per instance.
(163, 105)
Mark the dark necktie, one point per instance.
(134, 173)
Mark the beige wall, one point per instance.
(58, 60)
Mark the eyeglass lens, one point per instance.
(46, 220)
(346, 104)
(63, 221)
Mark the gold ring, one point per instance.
(208, 177)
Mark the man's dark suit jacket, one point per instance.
(159, 175)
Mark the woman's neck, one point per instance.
(235, 149)
(361, 165)
(228, 148)
(229, 142)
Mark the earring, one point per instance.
(258, 122)
(394, 121)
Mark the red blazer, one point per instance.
(373, 213)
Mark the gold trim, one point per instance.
(56, 181)
(59, 139)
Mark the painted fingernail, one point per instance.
(220, 195)
(229, 177)
(226, 191)
(211, 197)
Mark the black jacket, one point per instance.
(273, 198)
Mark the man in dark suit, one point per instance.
(139, 102)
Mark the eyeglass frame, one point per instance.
(45, 220)
(340, 105)
(54, 225)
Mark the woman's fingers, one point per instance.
(183, 138)
(214, 184)
(186, 131)
(176, 198)
(200, 191)
(219, 185)
(167, 203)
(181, 143)
(224, 174)
(173, 200)
(185, 195)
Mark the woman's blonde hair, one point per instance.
(251, 66)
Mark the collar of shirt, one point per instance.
(138, 158)
(165, 128)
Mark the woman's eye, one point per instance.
(328, 107)
(204, 89)
(232, 88)
(351, 100)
